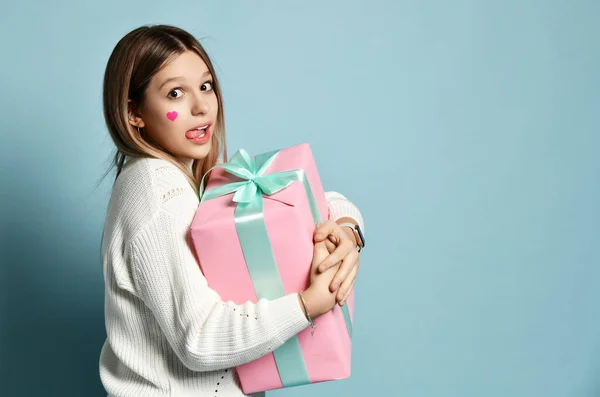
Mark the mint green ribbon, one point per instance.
(256, 247)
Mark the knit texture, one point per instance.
(168, 332)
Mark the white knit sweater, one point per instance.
(168, 332)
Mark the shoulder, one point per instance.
(145, 180)
(147, 186)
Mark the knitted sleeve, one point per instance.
(341, 207)
(206, 333)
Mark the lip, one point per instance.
(197, 139)
(201, 125)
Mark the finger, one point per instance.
(346, 282)
(332, 239)
(320, 252)
(326, 229)
(343, 250)
(334, 258)
(330, 246)
(347, 294)
(349, 290)
(346, 285)
(348, 264)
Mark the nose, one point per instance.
(200, 105)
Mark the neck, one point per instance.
(189, 163)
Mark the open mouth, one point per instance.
(198, 132)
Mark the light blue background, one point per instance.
(465, 131)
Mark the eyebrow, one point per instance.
(207, 73)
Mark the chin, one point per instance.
(200, 153)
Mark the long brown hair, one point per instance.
(137, 57)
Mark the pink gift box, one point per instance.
(290, 226)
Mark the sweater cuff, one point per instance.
(341, 207)
(288, 317)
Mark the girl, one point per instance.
(168, 332)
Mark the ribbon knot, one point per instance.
(253, 182)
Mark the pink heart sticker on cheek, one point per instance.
(172, 115)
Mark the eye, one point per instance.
(206, 86)
(176, 93)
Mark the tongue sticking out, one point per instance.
(194, 134)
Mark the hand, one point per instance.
(318, 296)
(343, 255)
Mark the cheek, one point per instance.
(172, 115)
(169, 113)
(160, 113)
(163, 119)
(214, 104)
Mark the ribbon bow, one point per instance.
(254, 183)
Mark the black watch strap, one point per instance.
(360, 238)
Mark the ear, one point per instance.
(135, 118)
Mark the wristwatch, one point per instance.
(360, 239)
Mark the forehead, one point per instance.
(188, 65)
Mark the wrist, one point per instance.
(347, 225)
(302, 304)
(350, 233)
(352, 228)
(313, 304)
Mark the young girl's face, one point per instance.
(180, 108)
